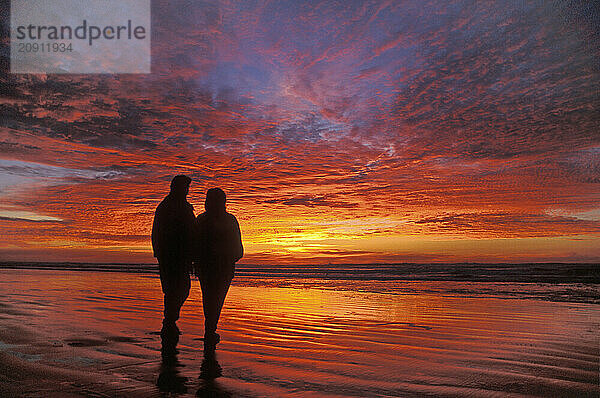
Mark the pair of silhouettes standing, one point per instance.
(209, 246)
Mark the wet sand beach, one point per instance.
(90, 333)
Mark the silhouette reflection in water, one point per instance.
(169, 379)
(209, 371)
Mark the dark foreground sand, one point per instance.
(94, 334)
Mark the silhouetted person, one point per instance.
(172, 241)
(218, 247)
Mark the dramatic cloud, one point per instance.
(353, 131)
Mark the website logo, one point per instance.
(75, 36)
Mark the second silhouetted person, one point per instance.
(218, 248)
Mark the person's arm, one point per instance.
(238, 248)
(189, 230)
(156, 234)
(199, 246)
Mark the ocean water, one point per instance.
(546, 281)
(505, 272)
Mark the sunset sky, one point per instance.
(342, 132)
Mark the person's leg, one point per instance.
(168, 285)
(209, 305)
(181, 293)
(222, 289)
(176, 289)
(174, 298)
(169, 332)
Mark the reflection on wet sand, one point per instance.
(209, 371)
(97, 333)
(170, 379)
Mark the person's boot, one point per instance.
(169, 338)
(211, 340)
